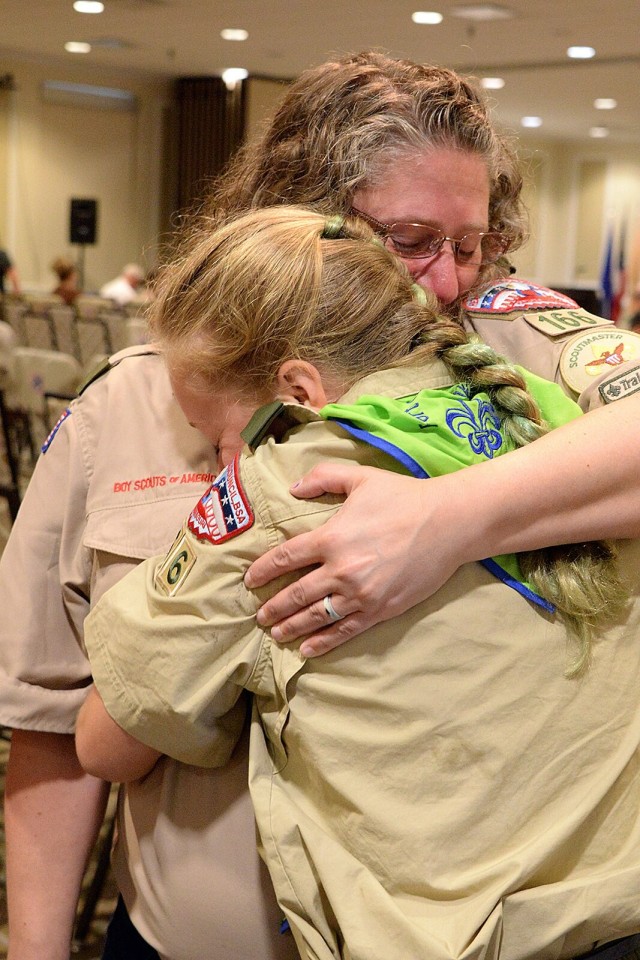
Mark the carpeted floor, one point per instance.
(90, 946)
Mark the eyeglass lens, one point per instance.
(414, 240)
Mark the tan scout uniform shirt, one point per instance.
(116, 481)
(434, 789)
(548, 333)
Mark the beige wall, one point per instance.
(51, 152)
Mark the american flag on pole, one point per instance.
(619, 281)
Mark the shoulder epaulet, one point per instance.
(261, 423)
(108, 363)
(275, 420)
(98, 371)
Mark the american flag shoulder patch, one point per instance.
(224, 510)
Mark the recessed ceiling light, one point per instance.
(605, 103)
(77, 46)
(531, 121)
(427, 16)
(482, 11)
(88, 6)
(231, 33)
(598, 132)
(492, 83)
(233, 75)
(581, 53)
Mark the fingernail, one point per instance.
(306, 650)
(276, 633)
(296, 484)
(248, 580)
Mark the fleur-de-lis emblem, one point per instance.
(481, 427)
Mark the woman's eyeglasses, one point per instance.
(419, 241)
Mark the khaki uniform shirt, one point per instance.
(119, 474)
(436, 788)
(548, 333)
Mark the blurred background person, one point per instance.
(124, 288)
(67, 287)
(8, 273)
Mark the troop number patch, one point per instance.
(175, 567)
(589, 355)
(224, 510)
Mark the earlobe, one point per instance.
(299, 381)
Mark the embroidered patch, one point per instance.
(175, 567)
(479, 427)
(619, 386)
(63, 416)
(557, 323)
(224, 511)
(587, 356)
(513, 295)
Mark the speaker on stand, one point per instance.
(83, 228)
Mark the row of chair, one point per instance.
(38, 377)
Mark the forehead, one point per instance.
(443, 186)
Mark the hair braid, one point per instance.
(581, 580)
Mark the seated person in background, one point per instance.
(8, 272)
(124, 288)
(67, 274)
(461, 781)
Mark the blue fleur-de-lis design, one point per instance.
(481, 427)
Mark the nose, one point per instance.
(442, 275)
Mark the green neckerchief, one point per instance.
(437, 431)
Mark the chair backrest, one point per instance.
(37, 372)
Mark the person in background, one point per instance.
(67, 286)
(8, 272)
(346, 133)
(124, 288)
(463, 781)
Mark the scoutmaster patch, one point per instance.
(589, 355)
(224, 510)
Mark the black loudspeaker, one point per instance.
(83, 221)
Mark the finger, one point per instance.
(334, 636)
(309, 620)
(329, 478)
(296, 598)
(291, 555)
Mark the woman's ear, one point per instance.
(300, 381)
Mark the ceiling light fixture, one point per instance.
(605, 103)
(481, 12)
(427, 16)
(233, 75)
(231, 33)
(492, 83)
(581, 53)
(77, 46)
(531, 121)
(88, 6)
(598, 132)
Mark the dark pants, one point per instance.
(123, 941)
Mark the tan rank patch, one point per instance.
(175, 567)
(589, 355)
(557, 323)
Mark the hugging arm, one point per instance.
(396, 540)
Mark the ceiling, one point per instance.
(182, 38)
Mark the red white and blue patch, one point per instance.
(57, 425)
(224, 511)
(518, 295)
